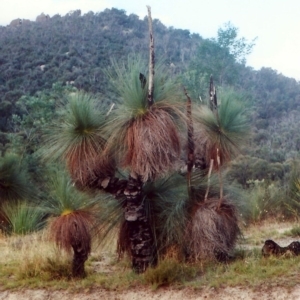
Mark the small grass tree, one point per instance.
(73, 217)
(213, 228)
(16, 213)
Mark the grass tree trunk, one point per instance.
(142, 246)
(79, 258)
(139, 230)
(81, 244)
(191, 144)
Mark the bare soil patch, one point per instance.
(277, 293)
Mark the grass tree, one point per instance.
(145, 139)
(15, 186)
(134, 152)
(22, 217)
(79, 140)
(140, 136)
(222, 127)
(14, 181)
(72, 219)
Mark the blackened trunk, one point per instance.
(137, 227)
(142, 246)
(191, 144)
(79, 258)
(81, 244)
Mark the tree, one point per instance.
(213, 227)
(141, 138)
(212, 59)
(222, 56)
(239, 48)
(15, 188)
(73, 219)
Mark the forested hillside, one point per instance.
(41, 60)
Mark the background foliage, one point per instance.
(44, 61)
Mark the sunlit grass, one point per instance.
(251, 271)
(32, 261)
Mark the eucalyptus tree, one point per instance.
(224, 56)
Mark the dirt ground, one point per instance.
(162, 294)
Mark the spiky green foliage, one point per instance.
(110, 219)
(145, 139)
(64, 198)
(79, 139)
(22, 217)
(265, 200)
(14, 181)
(168, 208)
(74, 213)
(171, 212)
(125, 79)
(224, 130)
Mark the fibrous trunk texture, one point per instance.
(212, 231)
(143, 251)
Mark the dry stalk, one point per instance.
(208, 179)
(151, 60)
(191, 144)
(220, 179)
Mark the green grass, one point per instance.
(252, 271)
(294, 232)
(31, 261)
(170, 271)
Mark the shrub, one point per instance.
(262, 201)
(22, 218)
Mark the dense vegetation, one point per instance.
(44, 63)
(74, 51)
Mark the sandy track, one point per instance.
(275, 293)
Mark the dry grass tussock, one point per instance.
(213, 231)
(33, 256)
